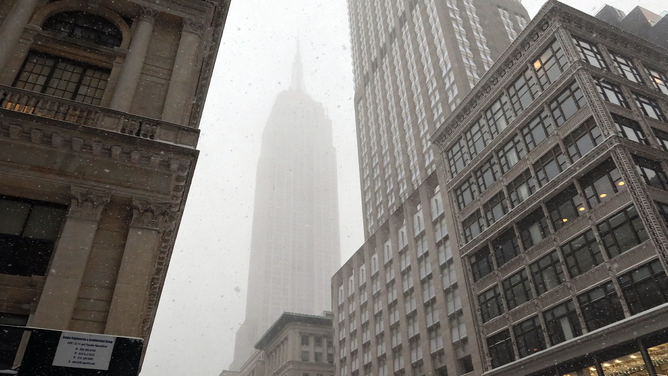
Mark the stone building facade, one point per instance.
(558, 205)
(397, 302)
(100, 103)
(295, 345)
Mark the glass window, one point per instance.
(590, 53)
(473, 226)
(62, 78)
(529, 337)
(550, 165)
(622, 231)
(611, 92)
(581, 254)
(521, 188)
(663, 210)
(510, 153)
(600, 306)
(601, 183)
(517, 289)
(477, 137)
(533, 228)
(626, 67)
(10, 338)
(651, 172)
(458, 156)
(565, 207)
(305, 356)
(630, 129)
(506, 247)
(305, 340)
(547, 273)
(550, 64)
(490, 304)
(466, 193)
(627, 361)
(28, 232)
(85, 26)
(662, 137)
(500, 348)
(583, 139)
(659, 79)
(645, 287)
(495, 208)
(481, 263)
(649, 107)
(487, 174)
(537, 130)
(499, 115)
(562, 323)
(659, 356)
(523, 91)
(567, 103)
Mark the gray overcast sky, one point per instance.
(204, 297)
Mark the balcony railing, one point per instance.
(46, 106)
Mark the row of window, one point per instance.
(642, 289)
(613, 93)
(595, 187)
(520, 94)
(619, 233)
(561, 108)
(591, 53)
(579, 142)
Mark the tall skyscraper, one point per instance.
(100, 104)
(397, 300)
(564, 244)
(295, 241)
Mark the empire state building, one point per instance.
(295, 241)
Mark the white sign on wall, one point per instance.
(83, 350)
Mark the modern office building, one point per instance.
(295, 240)
(295, 345)
(100, 104)
(559, 206)
(397, 301)
(640, 21)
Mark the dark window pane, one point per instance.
(85, 26)
(562, 323)
(533, 228)
(481, 263)
(601, 183)
(581, 254)
(529, 336)
(547, 273)
(517, 289)
(506, 247)
(490, 304)
(500, 349)
(622, 231)
(645, 287)
(600, 306)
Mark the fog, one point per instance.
(204, 296)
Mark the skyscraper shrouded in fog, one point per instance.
(295, 241)
(414, 62)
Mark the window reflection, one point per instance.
(627, 365)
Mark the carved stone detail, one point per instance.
(152, 215)
(601, 114)
(148, 14)
(87, 203)
(193, 26)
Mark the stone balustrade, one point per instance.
(47, 106)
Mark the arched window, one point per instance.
(85, 26)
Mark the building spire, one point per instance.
(297, 72)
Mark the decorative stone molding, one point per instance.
(148, 14)
(87, 203)
(152, 215)
(193, 26)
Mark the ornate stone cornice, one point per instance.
(87, 203)
(148, 14)
(149, 214)
(193, 26)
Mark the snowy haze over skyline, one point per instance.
(203, 301)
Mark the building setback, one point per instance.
(295, 345)
(295, 241)
(100, 104)
(560, 211)
(397, 302)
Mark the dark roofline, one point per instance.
(290, 318)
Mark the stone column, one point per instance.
(137, 267)
(12, 28)
(61, 289)
(182, 73)
(126, 86)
